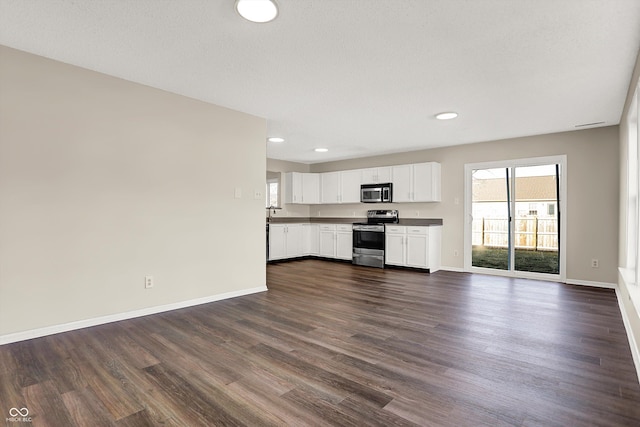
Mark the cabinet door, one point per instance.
(384, 174)
(293, 187)
(310, 188)
(394, 249)
(417, 250)
(369, 176)
(277, 242)
(310, 239)
(350, 186)
(293, 237)
(376, 175)
(426, 179)
(401, 180)
(435, 248)
(330, 187)
(327, 243)
(344, 242)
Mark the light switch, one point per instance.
(238, 193)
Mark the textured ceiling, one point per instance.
(360, 77)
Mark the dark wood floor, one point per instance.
(333, 344)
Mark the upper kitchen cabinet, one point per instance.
(376, 175)
(418, 182)
(330, 187)
(302, 188)
(350, 186)
(340, 187)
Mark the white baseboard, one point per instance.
(65, 327)
(635, 350)
(591, 283)
(454, 269)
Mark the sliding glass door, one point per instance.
(514, 212)
(490, 225)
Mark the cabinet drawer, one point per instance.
(328, 227)
(395, 229)
(345, 227)
(418, 230)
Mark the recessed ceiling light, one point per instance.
(257, 10)
(321, 150)
(275, 139)
(446, 116)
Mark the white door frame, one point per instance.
(468, 218)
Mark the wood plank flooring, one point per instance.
(335, 344)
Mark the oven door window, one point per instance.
(368, 239)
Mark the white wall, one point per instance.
(103, 181)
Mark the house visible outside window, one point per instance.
(551, 209)
(533, 209)
(272, 192)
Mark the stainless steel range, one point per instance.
(368, 238)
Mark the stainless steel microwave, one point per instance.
(376, 193)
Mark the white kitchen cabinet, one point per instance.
(330, 187)
(418, 182)
(376, 175)
(402, 183)
(340, 187)
(285, 241)
(350, 186)
(414, 246)
(277, 242)
(327, 240)
(294, 238)
(344, 241)
(311, 238)
(302, 188)
(426, 182)
(417, 247)
(394, 241)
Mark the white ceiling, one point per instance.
(360, 77)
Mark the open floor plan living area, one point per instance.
(336, 344)
(319, 213)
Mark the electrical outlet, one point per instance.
(148, 282)
(595, 263)
(257, 194)
(455, 252)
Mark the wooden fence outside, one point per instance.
(540, 234)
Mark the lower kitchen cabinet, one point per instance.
(406, 246)
(327, 240)
(277, 242)
(394, 242)
(344, 241)
(413, 246)
(323, 240)
(336, 241)
(311, 239)
(285, 241)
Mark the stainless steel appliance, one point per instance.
(376, 193)
(368, 238)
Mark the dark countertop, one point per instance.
(423, 222)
